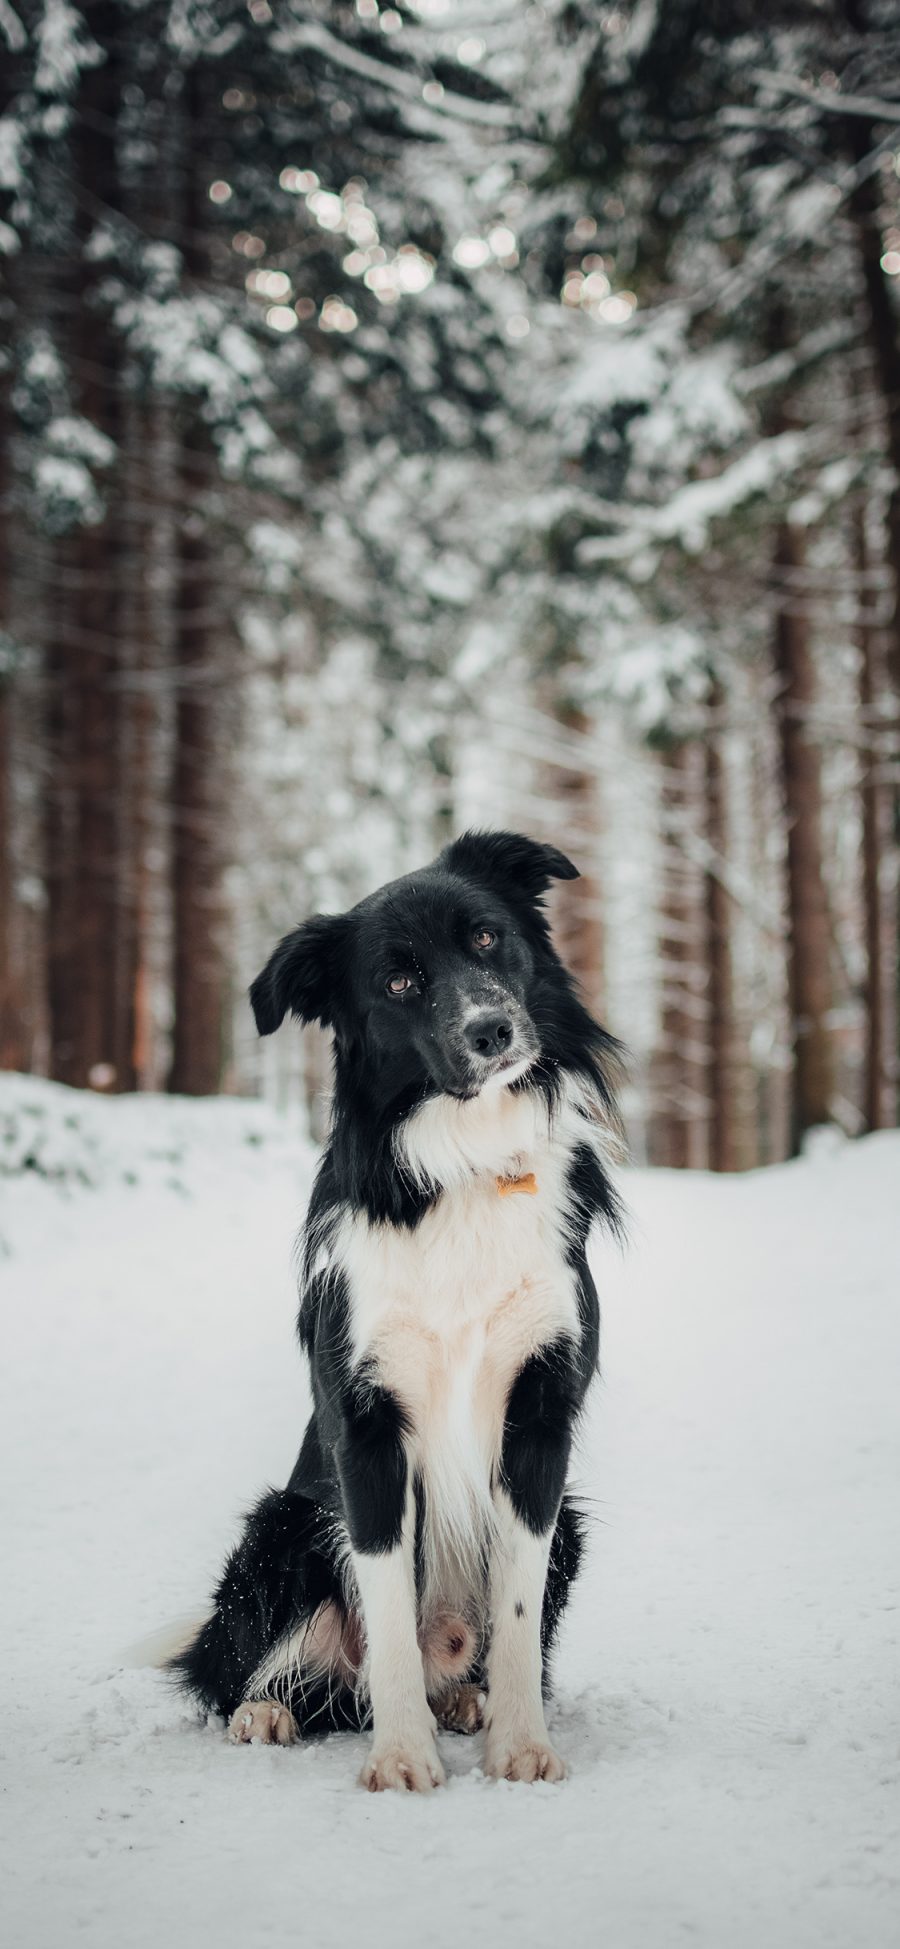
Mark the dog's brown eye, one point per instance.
(399, 984)
(483, 937)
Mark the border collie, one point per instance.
(414, 1571)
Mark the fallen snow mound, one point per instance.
(78, 1138)
(727, 1677)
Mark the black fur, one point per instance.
(390, 1054)
(393, 1050)
(371, 1465)
(281, 1572)
(537, 1435)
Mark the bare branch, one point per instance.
(871, 108)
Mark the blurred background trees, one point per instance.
(439, 414)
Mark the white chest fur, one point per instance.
(449, 1312)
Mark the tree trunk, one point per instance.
(14, 1039)
(874, 807)
(14, 1050)
(723, 1091)
(199, 797)
(198, 810)
(149, 581)
(884, 341)
(137, 714)
(678, 1083)
(13, 1029)
(809, 932)
(576, 904)
(83, 810)
(151, 557)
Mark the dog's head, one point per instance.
(440, 981)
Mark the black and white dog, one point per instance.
(416, 1566)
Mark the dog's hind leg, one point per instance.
(312, 1676)
(461, 1709)
(262, 1722)
(283, 1576)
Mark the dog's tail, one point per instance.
(169, 1641)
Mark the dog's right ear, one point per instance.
(508, 861)
(302, 976)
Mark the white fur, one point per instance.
(447, 1141)
(448, 1312)
(403, 1751)
(517, 1745)
(166, 1643)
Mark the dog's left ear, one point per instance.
(508, 861)
(303, 975)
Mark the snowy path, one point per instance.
(727, 1682)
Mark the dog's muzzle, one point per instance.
(497, 1041)
(490, 1035)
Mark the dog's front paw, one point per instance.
(523, 1759)
(404, 1768)
(262, 1722)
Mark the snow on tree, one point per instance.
(440, 413)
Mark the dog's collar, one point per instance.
(526, 1183)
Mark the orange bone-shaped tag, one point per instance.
(528, 1184)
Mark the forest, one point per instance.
(434, 415)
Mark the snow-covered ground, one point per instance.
(727, 1691)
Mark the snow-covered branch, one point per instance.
(687, 516)
(394, 80)
(872, 108)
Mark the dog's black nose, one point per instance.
(489, 1034)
